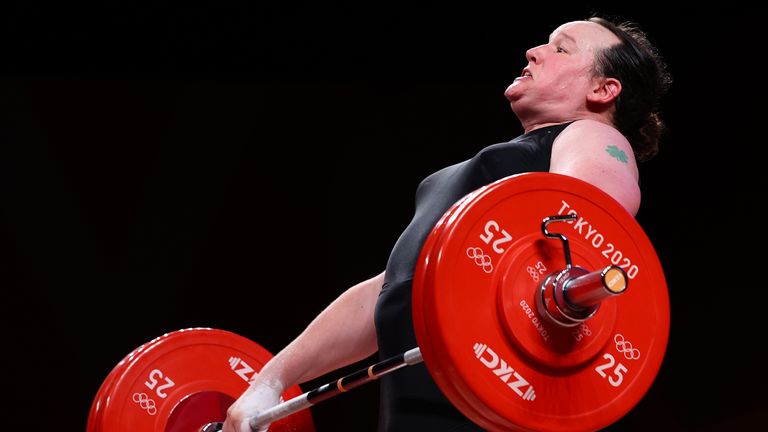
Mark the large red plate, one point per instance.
(484, 342)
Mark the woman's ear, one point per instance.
(605, 90)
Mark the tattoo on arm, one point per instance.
(617, 153)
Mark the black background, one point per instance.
(238, 166)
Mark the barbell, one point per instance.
(538, 304)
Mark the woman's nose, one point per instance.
(534, 54)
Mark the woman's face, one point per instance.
(560, 73)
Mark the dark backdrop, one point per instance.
(238, 166)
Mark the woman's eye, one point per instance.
(561, 50)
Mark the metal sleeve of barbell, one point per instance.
(331, 389)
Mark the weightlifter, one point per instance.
(588, 103)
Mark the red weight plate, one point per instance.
(185, 379)
(487, 346)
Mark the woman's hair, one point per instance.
(644, 79)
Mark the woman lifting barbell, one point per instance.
(587, 101)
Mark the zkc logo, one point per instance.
(501, 369)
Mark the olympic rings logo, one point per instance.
(481, 259)
(584, 329)
(145, 403)
(534, 274)
(625, 347)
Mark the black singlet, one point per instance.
(410, 399)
